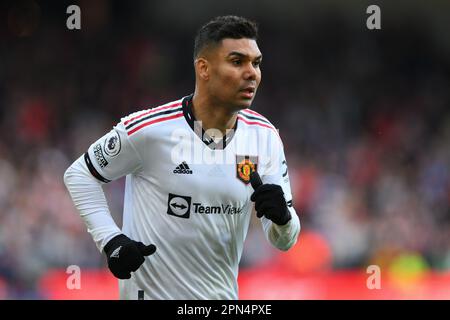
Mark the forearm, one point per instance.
(285, 236)
(89, 198)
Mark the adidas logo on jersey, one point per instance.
(183, 168)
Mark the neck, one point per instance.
(212, 115)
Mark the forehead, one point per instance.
(245, 46)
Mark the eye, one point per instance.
(256, 64)
(236, 62)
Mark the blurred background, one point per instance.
(364, 116)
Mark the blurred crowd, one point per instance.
(365, 120)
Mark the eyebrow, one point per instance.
(242, 55)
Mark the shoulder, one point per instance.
(139, 120)
(255, 120)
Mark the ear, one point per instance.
(202, 68)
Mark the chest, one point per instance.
(182, 164)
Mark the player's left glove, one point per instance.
(269, 201)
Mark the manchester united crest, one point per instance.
(245, 165)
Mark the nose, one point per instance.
(250, 72)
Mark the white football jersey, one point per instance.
(188, 193)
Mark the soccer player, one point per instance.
(196, 170)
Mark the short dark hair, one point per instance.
(224, 27)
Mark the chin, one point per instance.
(244, 104)
(240, 104)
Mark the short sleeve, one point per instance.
(113, 155)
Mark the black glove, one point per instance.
(269, 201)
(125, 255)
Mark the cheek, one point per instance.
(225, 78)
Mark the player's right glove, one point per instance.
(125, 255)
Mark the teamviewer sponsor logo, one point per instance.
(222, 209)
(183, 168)
(179, 206)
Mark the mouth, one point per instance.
(248, 92)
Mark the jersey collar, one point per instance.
(200, 132)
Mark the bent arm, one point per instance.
(285, 236)
(109, 158)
